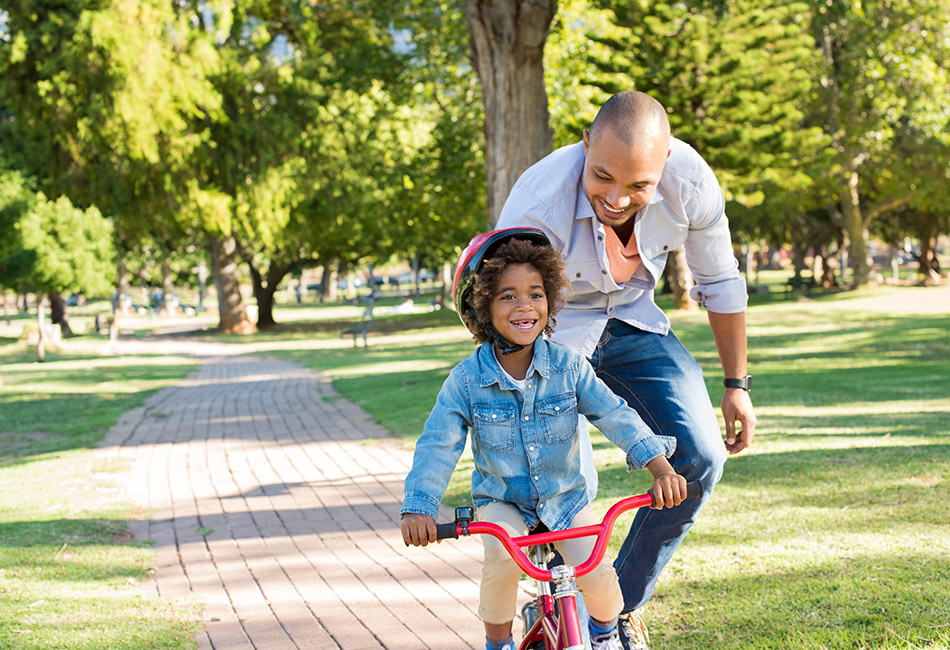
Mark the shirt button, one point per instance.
(666, 248)
(603, 272)
(578, 275)
(557, 408)
(531, 448)
(493, 416)
(540, 505)
(535, 478)
(526, 418)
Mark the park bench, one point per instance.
(802, 282)
(362, 328)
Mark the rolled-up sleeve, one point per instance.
(719, 286)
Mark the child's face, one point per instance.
(519, 308)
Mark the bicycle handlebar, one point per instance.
(514, 544)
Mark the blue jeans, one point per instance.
(658, 377)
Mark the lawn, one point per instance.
(66, 557)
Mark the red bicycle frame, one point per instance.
(558, 625)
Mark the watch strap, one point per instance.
(745, 383)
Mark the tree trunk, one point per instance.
(507, 40)
(854, 229)
(928, 266)
(232, 314)
(681, 280)
(264, 290)
(168, 287)
(123, 287)
(41, 325)
(58, 316)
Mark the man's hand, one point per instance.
(417, 529)
(737, 407)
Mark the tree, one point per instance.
(507, 41)
(70, 250)
(733, 76)
(100, 99)
(884, 69)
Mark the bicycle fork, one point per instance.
(551, 621)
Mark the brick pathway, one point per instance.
(273, 501)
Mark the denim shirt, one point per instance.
(687, 208)
(526, 446)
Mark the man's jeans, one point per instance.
(658, 377)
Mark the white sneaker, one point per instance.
(607, 641)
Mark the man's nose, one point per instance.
(618, 199)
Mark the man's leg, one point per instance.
(658, 377)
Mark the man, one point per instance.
(616, 205)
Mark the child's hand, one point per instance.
(418, 529)
(668, 490)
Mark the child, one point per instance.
(520, 395)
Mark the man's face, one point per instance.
(619, 178)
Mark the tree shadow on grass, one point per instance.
(865, 599)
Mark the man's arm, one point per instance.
(729, 332)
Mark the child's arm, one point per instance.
(669, 488)
(417, 529)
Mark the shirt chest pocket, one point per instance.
(558, 418)
(663, 246)
(494, 427)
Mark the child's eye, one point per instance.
(537, 296)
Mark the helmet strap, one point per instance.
(501, 343)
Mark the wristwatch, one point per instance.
(744, 383)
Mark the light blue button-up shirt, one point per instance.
(526, 446)
(687, 208)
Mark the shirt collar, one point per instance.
(491, 369)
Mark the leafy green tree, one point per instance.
(884, 71)
(733, 76)
(70, 251)
(16, 199)
(100, 98)
(441, 202)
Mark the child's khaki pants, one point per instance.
(500, 574)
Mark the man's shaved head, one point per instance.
(635, 118)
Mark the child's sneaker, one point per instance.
(633, 631)
(607, 641)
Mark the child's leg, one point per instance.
(600, 587)
(500, 574)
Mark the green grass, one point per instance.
(832, 531)
(67, 560)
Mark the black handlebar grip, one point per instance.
(446, 531)
(693, 489)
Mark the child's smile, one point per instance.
(519, 310)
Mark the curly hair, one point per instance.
(545, 260)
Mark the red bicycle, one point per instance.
(552, 622)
